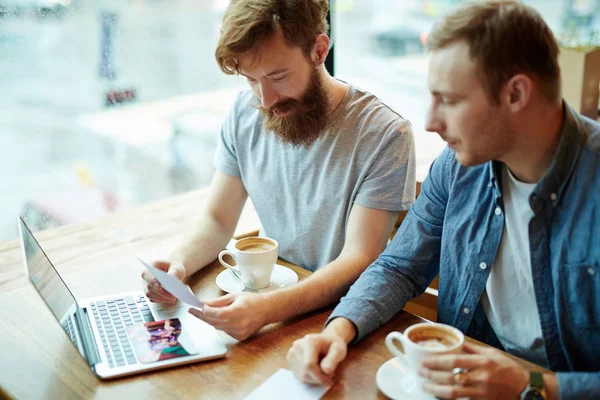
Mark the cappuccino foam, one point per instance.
(257, 245)
(434, 344)
(434, 338)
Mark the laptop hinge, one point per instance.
(87, 337)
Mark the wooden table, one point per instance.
(38, 361)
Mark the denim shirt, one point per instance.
(455, 227)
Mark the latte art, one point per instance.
(255, 245)
(433, 338)
(434, 344)
(257, 248)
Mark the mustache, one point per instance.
(285, 106)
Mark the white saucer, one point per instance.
(282, 276)
(397, 382)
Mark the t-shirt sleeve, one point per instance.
(390, 181)
(409, 263)
(226, 159)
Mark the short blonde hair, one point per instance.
(248, 23)
(505, 38)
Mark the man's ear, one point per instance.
(320, 49)
(517, 92)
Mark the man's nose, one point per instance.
(433, 122)
(268, 97)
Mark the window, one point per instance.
(106, 104)
(111, 103)
(379, 47)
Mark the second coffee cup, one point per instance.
(255, 258)
(424, 340)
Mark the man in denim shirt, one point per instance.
(509, 217)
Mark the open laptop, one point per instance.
(119, 334)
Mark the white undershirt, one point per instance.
(509, 299)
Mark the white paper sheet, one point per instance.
(283, 384)
(174, 286)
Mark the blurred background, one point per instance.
(106, 104)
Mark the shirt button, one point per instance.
(591, 271)
(483, 265)
(498, 211)
(466, 311)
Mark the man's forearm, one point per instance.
(342, 328)
(322, 288)
(202, 245)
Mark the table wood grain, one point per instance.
(38, 361)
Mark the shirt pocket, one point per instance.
(579, 296)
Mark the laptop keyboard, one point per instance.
(113, 317)
(68, 327)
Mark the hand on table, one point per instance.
(153, 289)
(491, 374)
(315, 357)
(240, 315)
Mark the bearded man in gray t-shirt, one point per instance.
(326, 165)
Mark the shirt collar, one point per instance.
(573, 137)
(495, 169)
(572, 140)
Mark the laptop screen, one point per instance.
(46, 280)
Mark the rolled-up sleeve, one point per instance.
(578, 385)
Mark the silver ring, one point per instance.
(460, 376)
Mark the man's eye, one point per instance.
(279, 78)
(251, 80)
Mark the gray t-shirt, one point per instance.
(303, 196)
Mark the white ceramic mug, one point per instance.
(424, 340)
(255, 259)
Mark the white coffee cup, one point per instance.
(423, 340)
(255, 259)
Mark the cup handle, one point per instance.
(389, 342)
(225, 263)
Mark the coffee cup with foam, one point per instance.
(255, 259)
